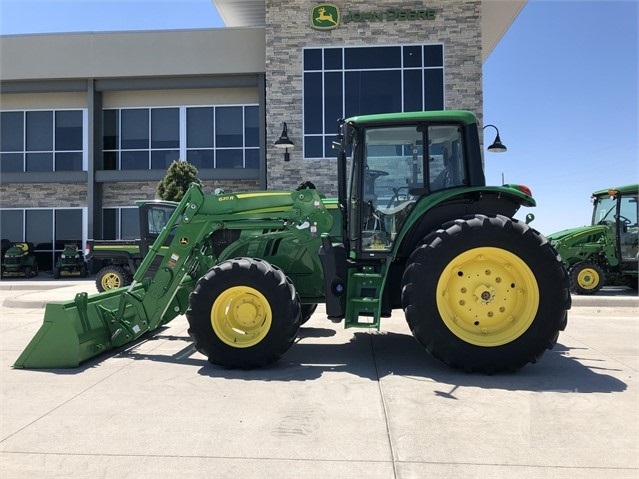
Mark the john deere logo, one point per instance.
(184, 240)
(325, 17)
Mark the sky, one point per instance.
(561, 86)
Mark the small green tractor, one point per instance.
(606, 252)
(70, 263)
(20, 260)
(413, 227)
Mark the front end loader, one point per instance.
(414, 228)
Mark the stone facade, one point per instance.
(125, 193)
(43, 195)
(457, 24)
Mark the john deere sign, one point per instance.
(326, 16)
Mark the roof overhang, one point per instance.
(497, 17)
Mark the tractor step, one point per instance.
(363, 303)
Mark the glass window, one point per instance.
(130, 223)
(162, 159)
(165, 128)
(201, 158)
(36, 138)
(111, 127)
(412, 56)
(200, 127)
(11, 222)
(11, 162)
(69, 161)
(39, 162)
(252, 158)
(368, 58)
(333, 59)
(251, 126)
(340, 82)
(68, 130)
(39, 131)
(68, 226)
(231, 158)
(229, 126)
(446, 165)
(135, 160)
(39, 228)
(120, 223)
(433, 55)
(372, 92)
(11, 131)
(135, 129)
(313, 108)
(312, 59)
(110, 224)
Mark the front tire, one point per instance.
(586, 278)
(243, 313)
(111, 277)
(472, 297)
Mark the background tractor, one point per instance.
(414, 227)
(70, 263)
(19, 260)
(607, 250)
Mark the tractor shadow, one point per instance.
(377, 355)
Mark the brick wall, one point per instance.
(457, 25)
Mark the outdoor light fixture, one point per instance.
(285, 142)
(497, 146)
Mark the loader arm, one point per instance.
(77, 330)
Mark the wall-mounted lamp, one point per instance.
(497, 146)
(285, 143)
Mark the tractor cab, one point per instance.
(394, 164)
(617, 209)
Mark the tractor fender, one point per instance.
(423, 220)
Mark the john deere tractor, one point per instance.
(606, 252)
(20, 260)
(70, 263)
(414, 227)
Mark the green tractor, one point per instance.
(20, 260)
(70, 263)
(606, 252)
(414, 227)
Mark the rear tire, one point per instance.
(243, 313)
(586, 278)
(111, 277)
(471, 296)
(27, 272)
(307, 312)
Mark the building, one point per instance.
(90, 121)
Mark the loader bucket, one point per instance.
(72, 332)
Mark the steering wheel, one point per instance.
(624, 220)
(374, 174)
(396, 195)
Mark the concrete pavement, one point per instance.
(340, 403)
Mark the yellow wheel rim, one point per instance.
(588, 278)
(241, 317)
(110, 281)
(487, 296)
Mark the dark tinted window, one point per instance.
(11, 131)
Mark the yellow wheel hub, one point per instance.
(241, 317)
(487, 296)
(588, 278)
(110, 281)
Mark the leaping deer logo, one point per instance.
(325, 17)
